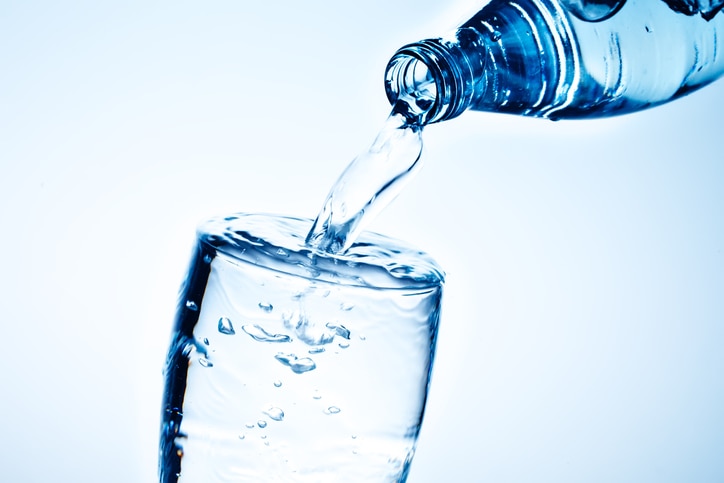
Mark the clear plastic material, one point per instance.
(565, 59)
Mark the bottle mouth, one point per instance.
(423, 83)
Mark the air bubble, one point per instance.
(296, 364)
(259, 334)
(191, 305)
(275, 413)
(495, 35)
(340, 330)
(207, 258)
(206, 341)
(225, 326)
(307, 331)
(205, 362)
(266, 306)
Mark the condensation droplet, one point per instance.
(316, 350)
(242, 436)
(259, 334)
(346, 307)
(191, 305)
(495, 35)
(205, 362)
(250, 425)
(316, 395)
(225, 326)
(261, 423)
(362, 337)
(207, 258)
(206, 341)
(275, 413)
(344, 345)
(266, 306)
(332, 410)
(277, 383)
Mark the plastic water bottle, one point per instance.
(562, 59)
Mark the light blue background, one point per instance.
(583, 323)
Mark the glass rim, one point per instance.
(276, 242)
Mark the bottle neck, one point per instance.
(430, 81)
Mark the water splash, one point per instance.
(371, 181)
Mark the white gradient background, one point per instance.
(583, 328)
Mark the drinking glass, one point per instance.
(288, 364)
